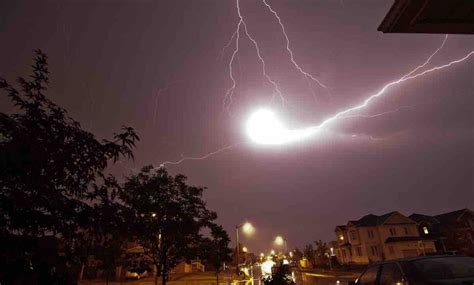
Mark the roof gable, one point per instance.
(452, 217)
(397, 218)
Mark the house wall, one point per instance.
(408, 249)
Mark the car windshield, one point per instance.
(445, 267)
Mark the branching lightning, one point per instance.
(230, 92)
(158, 95)
(278, 133)
(427, 61)
(228, 99)
(200, 157)
(371, 116)
(381, 92)
(288, 49)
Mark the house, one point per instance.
(429, 16)
(452, 231)
(376, 238)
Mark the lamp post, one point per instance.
(247, 228)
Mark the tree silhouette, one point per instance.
(215, 250)
(321, 252)
(52, 172)
(309, 253)
(168, 214)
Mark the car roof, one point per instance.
(408, 259)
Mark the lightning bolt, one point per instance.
(227, 45)
(222, 149)
(288, 49)
(427, 61)
(381, 92)
(229, 94)
(380, 114)
(342, 114)
(157, 96)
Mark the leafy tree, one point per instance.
(168, 214)
(52, 171)
(216, 249)
(297, 254)
(309, 253)
(321, 252)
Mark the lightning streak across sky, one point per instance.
(293, 135)
(201, 157)
(230, 91)
(381, 92)
(276, 89)
(288, 49)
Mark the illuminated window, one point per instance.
(425, 230)
(341, 237)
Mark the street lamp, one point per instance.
(279, 240)
(248, 229)
(244, 249)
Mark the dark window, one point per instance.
(369, 277)
(393, 231)
(353, 236)
(370, 233)
(359, 251)
(390, 274)
(407, 231)
(374, 250)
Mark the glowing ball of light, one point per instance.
(264, 127)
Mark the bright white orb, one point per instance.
(263, 127)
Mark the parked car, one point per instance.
(426, 270)
(136, 274)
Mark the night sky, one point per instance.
(159, 66)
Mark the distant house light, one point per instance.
(425, 230)
(341, 237)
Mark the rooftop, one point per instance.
(430, 16)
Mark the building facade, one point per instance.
(375, 238)
(452, 231)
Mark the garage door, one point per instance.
(409, 253)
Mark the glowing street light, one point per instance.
(280, 241)
(245, 249)
(248, 229)
(272, 252)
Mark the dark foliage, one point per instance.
(52, 173)
(215, 250)
(169, 216)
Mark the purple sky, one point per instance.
(419, 159)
